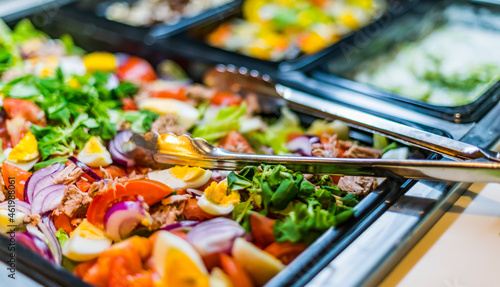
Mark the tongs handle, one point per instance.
(396, 131)
(468, 171)
(264, 84)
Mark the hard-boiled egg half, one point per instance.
(7, 222)
(177, 261)
(86, 242)
(94, 154)
(25, 154)
(187, 115)
(218, 199)
(182, 177)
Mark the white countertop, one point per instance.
(461, 249)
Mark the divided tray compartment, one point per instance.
(94, 12)
(409, 26)
(192, 43)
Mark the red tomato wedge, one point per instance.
(63, 221)
(135, 69)
(286, 251)
(25, 109)
(235, 139)
(129, 105)
(238, 275)
(15, 177)
(192, 211)
(262, 229)
(150, 190)
(225, 98)
(173, 93)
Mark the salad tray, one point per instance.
(94, 12)
(359, 62)
(191, 43)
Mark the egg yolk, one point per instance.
(89, 231)
(181, 271)
(186, 173)
(218, 193)
(25, 150)
(93, 146)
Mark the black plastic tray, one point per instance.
(400, 30)
(193, 44)
(91, 12)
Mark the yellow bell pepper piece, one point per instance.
(100, 62)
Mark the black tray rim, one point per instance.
(150, 34)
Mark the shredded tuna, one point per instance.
(252, 104)
(175, 198)
(200, 93)
(74, 201)
(75, 222)
(358, 185)
(3, 189)
(69, 175)
(362, 152)
(164, 215)
(99, 187)
(237, 147)
(33, 219)
(40, 48)
(167, 124)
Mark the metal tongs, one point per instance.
(184, 150)
(463, 163)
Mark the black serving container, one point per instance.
(407, 27)
(89, 11)
(192, 43)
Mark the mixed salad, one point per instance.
(79, 202)
(276, 30)
(453, 65)
(151, 12)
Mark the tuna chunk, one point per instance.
(74, 201)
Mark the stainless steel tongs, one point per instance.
(184, 150)
(252, 81)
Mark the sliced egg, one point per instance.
(86, 242)
(27, 165)
(216, 199)
(177, 261)
(72, 65)
(182, 177)
(219, 279)
(187, 115)
(94, 153)
(7, 222)
(25, 150)
(260, 265)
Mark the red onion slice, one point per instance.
(302, 145)
(52, 201)
(54, 245)
(34, 243)
(215, 236)
(180, 225)
(41, 179)
(85, 168)
(20, 205)
(122, 218)
(37, 205)
(116, 151)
